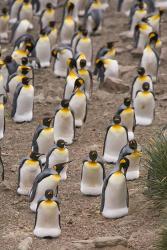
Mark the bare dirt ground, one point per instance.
(80, 217)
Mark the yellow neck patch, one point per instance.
(92, 164)
(143, 78)
(65, 110)
(1, 106)
(83, 72)
(56, 177)
(31, 163)
(72, 74)
(118, 173)
(85, 39)
(69, 20)
(48, 203)
(79, 93)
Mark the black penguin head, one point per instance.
(82, 63)
(25, 71)
(42, 32)
(70, 7)
(80, 28)
(110, 45)
(24, 61)
(65, 103)
(8, 59)
(141, 71)
(153, 36)
(127, 101)
(99, 63)
(49, 194)
(4, 11)
(35, 156)
(78, 83)
(117, 119)
(46, 121)
(29, 46)
(133, 144)
(52, 24)
(71, 63)
(49, 6)
(140, 5)
(60, 143)
(26, 1)
(124, 164)
(54, 53)
(146, 86)
(161, 12)
(85, 32)
(93, 155)
(25, 80)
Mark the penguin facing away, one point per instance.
(43, 138)
(64, 123)
(78, 103)
(29, 168)
(22, 107)
(132, 151)
(138, 82)
(92, 175)
(116, 138)
(47, 220)
(58, 154)
(115, 198)
(43, 50)
(144, 105)
(48, 179)
(126, 111)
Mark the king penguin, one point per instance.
(144, 105)
(78, 103)
(107, 52)
(61, 55)
(4, 26)
(138, 81)
(43, 50)
(26, 12)
(47, 16)
(142, 31)
(64, 123)
(155, 20)
(29, 168)
(59, 153)
(15, 10)
(92, 175)
(132, 151)
(84, 45)
(48, 179)
(115, 197)
(52, 33)
(126, 111)
(22, 107)
(2, 117)
(47, 219)
(43, 138)
(19, 29)
(116, 138)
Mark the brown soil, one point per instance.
(80, 216)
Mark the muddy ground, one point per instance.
(80, 217)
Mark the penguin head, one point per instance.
(60, 143)
(110, 45)
(127, 101)
(70, 7)
(99, 63)
(8, 59)
(93, 155)
(133, 144)
(46, 121)
(25, 71)
(34, 155)
(25, 80)
(52, 24)
(117, 119)
(65, 103)
(141, 71)
(42, 32)
(24, 61)
(49, 6)
(78, 83)
(49, 194)
(4, 11)
(124, 164)
(82, 63)
(146, 86)
(54, 52)
(71, 62)
(85, 33)
(153, 36)
(80, 28)
(140, 4)
(59, 167)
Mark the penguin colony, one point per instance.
(69, 51)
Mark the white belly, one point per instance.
(43, 52)
(45, 141)
(60, 66)
(67, 33)
(2, 120)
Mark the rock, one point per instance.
(39, 98)
(125, 69)
(114, 84)
(162, 78)
(101, 242)
(4, 185)
(25, 244)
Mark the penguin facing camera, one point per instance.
(43, 138)
(47, 16)
(48, 179)
(116, 138)
(4, 26)
(47, 219)
(29, 168)
(115, 197)
(23, 101)
(132, 151)
(92, 175)
(144, 106)
(126, 111)
(64, 123)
